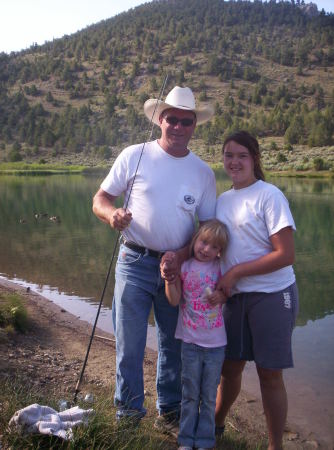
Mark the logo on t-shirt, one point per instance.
(189, 199)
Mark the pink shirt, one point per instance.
(199, 322)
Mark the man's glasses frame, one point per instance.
(173, 120)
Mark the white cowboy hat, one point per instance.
(180, 98)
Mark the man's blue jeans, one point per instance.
(139, 285)
(201, 369)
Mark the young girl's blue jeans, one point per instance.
(201, 369)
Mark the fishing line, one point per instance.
(77, 388)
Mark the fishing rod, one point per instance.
(77, 388)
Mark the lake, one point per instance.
(67, 262)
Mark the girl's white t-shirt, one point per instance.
(199, 322)
(167, 196)
(252, 215)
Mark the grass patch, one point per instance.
(300, 174)
(24, 168)
(13, 314)
(102, 432)
(35, 168)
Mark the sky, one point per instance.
(25, 22)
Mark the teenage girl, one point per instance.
(201, 328)
(260, 282)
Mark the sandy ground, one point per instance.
(51, 354)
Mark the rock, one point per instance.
(290, 435)
(89, 398)
(63, 405)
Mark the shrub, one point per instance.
(143, 97)
(14, 156)
(16, 146)
(13, 314)
(281, 157)
(104, 152)
(319, 164)
(273, 145)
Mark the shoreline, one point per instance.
(247, 414)
(36, 169)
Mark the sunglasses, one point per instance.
(172, 120)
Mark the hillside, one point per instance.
(267, 67)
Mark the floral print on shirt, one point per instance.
(196, 310)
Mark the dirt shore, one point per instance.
(51, 354)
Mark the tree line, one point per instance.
(84, 92)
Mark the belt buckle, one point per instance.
(153, 253)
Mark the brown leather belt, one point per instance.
(143, 250)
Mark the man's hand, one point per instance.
(120, 219)
(104, 208)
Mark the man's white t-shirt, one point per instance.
(252, 215)
(167, 195)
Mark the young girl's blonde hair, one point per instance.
(214, 232)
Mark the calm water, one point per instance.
(68, 261)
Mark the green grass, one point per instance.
(102, 431)
(13, 314)
(25, 168)
(17, 167)
(300, 174)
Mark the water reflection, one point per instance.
(73, 254)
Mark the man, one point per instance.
(163, 196)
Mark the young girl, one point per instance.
(201, 328)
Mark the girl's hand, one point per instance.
(217, 298)
(227, 281)
(169, 266)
